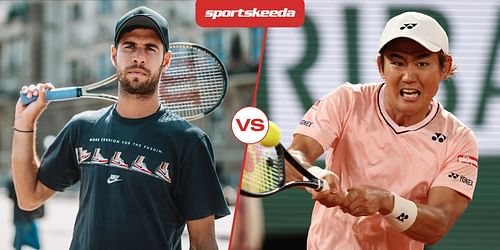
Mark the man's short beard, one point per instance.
(140, 89)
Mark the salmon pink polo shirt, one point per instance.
(364, 146)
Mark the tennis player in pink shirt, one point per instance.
(401, 168)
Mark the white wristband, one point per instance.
(320, 173)
(403, 215)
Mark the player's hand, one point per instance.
(26, 115)
(334, 195)
(367, 200)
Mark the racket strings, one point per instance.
(187, 69)
(194, 83)
(263, 171)
(175, 94)
(203, 76)
(197, 96)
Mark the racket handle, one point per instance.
(55, 95)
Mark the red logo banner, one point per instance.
(250, 13)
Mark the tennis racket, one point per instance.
(264, 172)
(194, 85)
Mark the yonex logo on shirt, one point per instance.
(306, 123)
(461, 178)
(438, 137)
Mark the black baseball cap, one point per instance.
(143, 17)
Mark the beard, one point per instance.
(133, 86)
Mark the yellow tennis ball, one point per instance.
(272, 137)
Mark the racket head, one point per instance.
(264, 172)
(195, 83)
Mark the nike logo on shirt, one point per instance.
(114, 178)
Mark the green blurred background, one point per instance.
(338, 43)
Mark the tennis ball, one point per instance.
(272, 137)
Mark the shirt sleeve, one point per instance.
(200, 189)
(325, 119)
(461, 168)
(59, 167)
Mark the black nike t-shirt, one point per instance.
(141, 179)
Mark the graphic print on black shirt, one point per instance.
(140, 179)
(116, 159)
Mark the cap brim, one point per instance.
(426, 44)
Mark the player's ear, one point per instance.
(448, 67)
(380, 66)
(167, 57)
(113, 55)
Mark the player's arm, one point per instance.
(306, 150)
(428, 223)
(30, 192)
(202, 233)
(438, 216)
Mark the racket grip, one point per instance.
(55, 95)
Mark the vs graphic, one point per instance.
(250, 125)
(254, 124)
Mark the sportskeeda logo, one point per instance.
(214, 14)
(250, 13)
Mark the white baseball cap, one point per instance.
(421, 28)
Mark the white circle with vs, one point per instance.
(250, 125)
